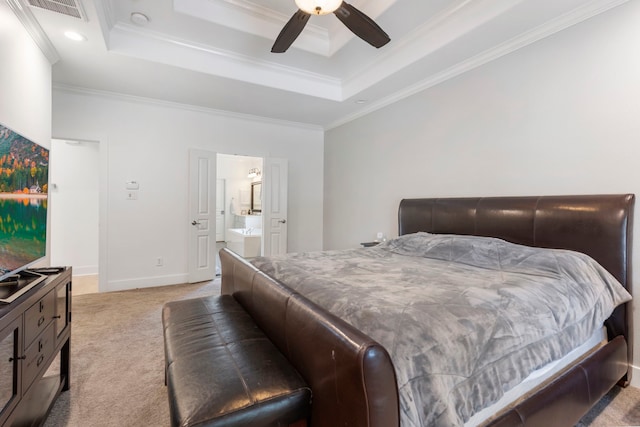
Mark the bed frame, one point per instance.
(352, 376)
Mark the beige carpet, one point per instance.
(117, 357)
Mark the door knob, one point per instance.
(283, 221)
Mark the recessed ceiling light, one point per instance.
(139, 18)
(361, 101)
(75, 36)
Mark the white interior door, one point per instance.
(220, 211)
(74, 198)
(274, 206)
(202, 211)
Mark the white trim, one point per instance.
(103, 214)
(31, 24)
(105, 16)
(551, 27)
(85, 270)
(186, 107)
(145, 282)
(267, 73)
(252, 18)
(418, 44)
(126, 39)
(635, 376)
(255, 19)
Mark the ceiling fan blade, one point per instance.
(290, 31)
(361, 25)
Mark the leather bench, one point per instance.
(221, 370)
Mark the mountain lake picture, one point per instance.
(24, 172)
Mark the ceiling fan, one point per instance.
(359, 23)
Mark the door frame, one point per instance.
(223, 188)
(103, 208)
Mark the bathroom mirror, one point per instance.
(256, 197)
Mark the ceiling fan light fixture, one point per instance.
(356, 21)
(318, 7)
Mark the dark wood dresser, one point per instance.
(35, 332)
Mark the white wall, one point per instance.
(561, 116)
(25, 83)
(149, 143)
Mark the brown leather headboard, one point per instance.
(598, 225)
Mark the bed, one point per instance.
(354, 378)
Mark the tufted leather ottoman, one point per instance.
(221, 370)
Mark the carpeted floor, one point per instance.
(620, 407)
(117, 357)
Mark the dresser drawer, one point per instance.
(38, 317)
(37, 355)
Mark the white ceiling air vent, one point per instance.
(66, 7)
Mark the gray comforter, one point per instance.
(464, 318)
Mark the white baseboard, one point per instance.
(147, 282)
(635, 376)
(85, 270)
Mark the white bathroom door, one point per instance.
(274, 206)
(202, 212)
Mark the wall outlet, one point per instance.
(159, 262)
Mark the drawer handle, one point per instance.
(41, 306)
(40, 359)
(57, 317)
(40, 320)
(11, 359)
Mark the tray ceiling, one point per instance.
(215, 54)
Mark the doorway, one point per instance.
(251, 229)
(240, 209)
(74, 192)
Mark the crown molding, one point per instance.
(76, 90)
(266, 22)
(30, 23)
(547, 29)
(106, 18)
(416, 45)
(255, 19)
(158, 47)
